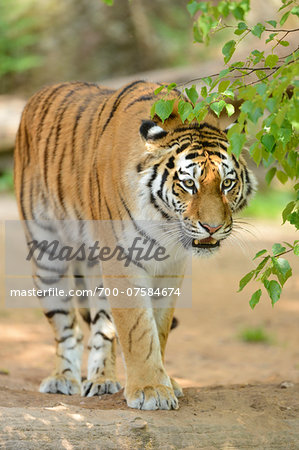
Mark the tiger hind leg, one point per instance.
(52, 277)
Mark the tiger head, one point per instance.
(194, 181)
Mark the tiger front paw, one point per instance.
(151, 397)
(60, 384)
(99, 386)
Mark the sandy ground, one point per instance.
(233, 392)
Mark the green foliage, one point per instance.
(17, 36)
(271, 265)
(6, 181)
(254, 335)
(270, 102)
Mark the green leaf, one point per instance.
(294, 219)
(223, 73)
(295, 10)
(204, 92)
(238, 32)
(238, 12)
(242, 26)
(192, 94)
(193, 7)
(268, 141)
(256, 152)
(260, 253)
(228, 50)
(274, 290)
(284, 43)
(262, 88)
(237, 142)
(217, 107)
(258, 29)
(159, 89)
(287, 210)
(171, 86)
(282, 269)
(255, 298)
(284, 17)
(230, 109)
(271, 60)
(271, 104)
(223, 85)
(283, 178)
(207, 80)
(245, 280)
(277, 249)
(261, 265)
(184, 109)
(272, 22)
(270, 174)
(108, 2)
(296, 250)
(271, 37)
(163, 108)
(201, 114)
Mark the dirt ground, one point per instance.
(238, 395)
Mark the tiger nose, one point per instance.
(211, 229)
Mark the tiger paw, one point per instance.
(60, 384)
(151, 397)
(178, 391)
(99, 386)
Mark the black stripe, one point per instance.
(183, 147)
(59, 119)
(170, 163)
(150, 349)
(192, 155)
(213, 144)
(154, 203)
(59, 184)
(219, 154)
(143, 98)
(133, 329)
(45, 108)
(99, 314)
(118, 100)
(104, 336)
(235, 161)
(98, 135)
(52, 313)
(63, 339)
(71, 326)
(136, 226)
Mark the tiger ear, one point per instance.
(150, 131)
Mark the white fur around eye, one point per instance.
(155, 132)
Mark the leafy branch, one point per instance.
(268, 110)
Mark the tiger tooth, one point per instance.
(213, 241)
(196, 242)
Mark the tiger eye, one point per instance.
(189, 183)
(227, 183)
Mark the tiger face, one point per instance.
(195, 182)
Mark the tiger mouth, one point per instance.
(205, 243)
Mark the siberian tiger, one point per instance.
(84, 152)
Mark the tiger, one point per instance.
(89, 154)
